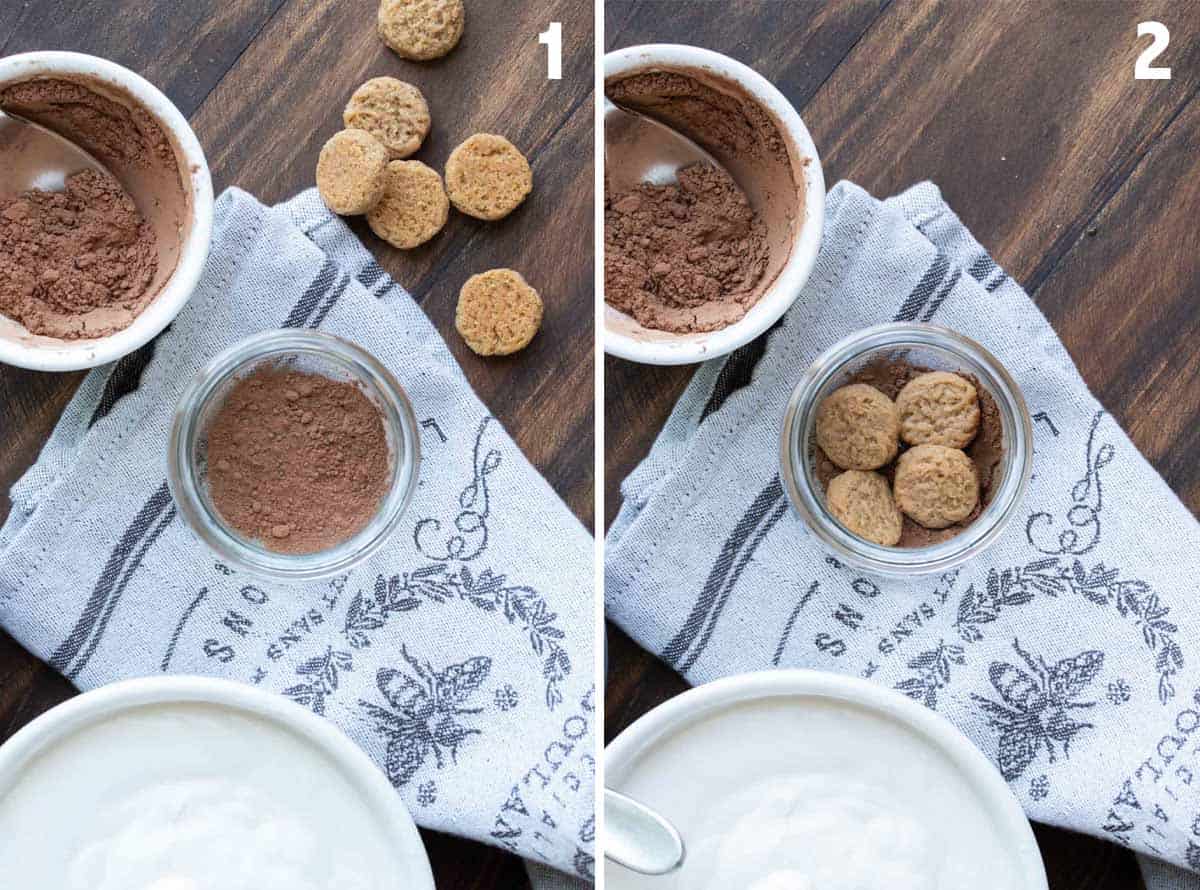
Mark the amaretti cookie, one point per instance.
(487, 177)
(935, 485)
(392, 111)
(421, 29)
(862, 501)
(498, 312)
(858, 427)
(350, 172)
(938, 408)
(413, 208)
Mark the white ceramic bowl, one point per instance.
(623, 336)
(654, 731)
(19, 347)
(88, 709)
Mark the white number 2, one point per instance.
(552, 37)
(1143, 70)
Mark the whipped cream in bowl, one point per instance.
(798, 780)
(189, 783)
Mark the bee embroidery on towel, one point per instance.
(427, 706)
(1035, 707)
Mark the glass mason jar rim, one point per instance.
(183, 474)
(799, 425)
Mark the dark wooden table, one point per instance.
(1083, 182)
(263, 83)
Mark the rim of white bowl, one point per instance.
(85, 710)
(676, 714)
(47, 354)
(668, 349)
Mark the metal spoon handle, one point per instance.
(639, 838)
(638, 148)
(36, 157)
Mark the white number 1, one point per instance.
(552, 37)
(1143, 70)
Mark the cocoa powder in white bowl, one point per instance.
(755, 133)
(146, 144)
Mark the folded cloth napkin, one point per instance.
(459, 657)
(1069, 652)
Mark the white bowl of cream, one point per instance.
(798, 780)
(190, 783)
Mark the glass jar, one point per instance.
(310, 352)
(925, 346)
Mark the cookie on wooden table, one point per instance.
(392, 111)
(487, 177)
(498, 312)
(413, 208)
(350, 172)
(421, 29)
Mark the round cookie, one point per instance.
(498, 312)
(350, 172)
(487, 178)
(392, 111)
(421, 29)
(935, 485)
(413, 208)
(862, 501)
(938, 408)
(858, 427)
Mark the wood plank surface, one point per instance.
(263, 83)
(1081, 181)
(310, 57)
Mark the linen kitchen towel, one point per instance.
(459, 657)
(1069, 651)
